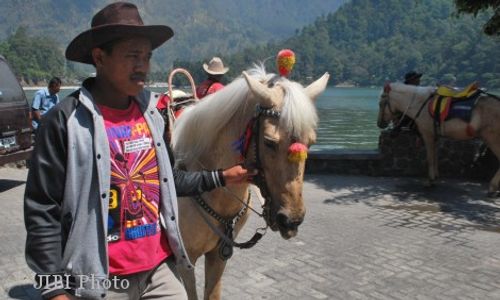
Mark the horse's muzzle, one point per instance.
(287, 227)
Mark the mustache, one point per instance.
(138, 76)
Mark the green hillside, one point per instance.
(367, 42)
(201, 28)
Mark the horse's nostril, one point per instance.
(282, 220)
(285, 222)
(297, 223)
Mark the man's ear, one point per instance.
(97, 56)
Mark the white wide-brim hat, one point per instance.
(215, 67)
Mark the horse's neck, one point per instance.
(409, 104)
(223, 154)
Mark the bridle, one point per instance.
(386, 103)
(249, 138)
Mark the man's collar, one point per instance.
(142, 98)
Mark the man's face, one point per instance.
(54, 88)
(126, 67)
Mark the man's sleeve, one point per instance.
(191, 183)
(37, 101)
(42, 204)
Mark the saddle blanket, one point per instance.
(447, 104)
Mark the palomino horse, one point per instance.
(410, 100)
(281, 114)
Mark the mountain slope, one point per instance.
(202, 28)
(367, 42)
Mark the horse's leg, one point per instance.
(214, 267)
(189, 280)
(495, 181)
(436, 162)
(430, 148)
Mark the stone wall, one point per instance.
(403, 154)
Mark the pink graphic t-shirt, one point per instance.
(136, 241)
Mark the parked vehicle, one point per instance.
(15, 120)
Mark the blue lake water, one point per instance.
(348, 118)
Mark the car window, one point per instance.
(10, 90)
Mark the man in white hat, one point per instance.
(215, 71)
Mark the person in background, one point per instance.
(412, 78)
(44, 100)
(100, 206)
(215, 71)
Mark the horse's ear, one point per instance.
(316, 88)
(387, 87)
(260, 90)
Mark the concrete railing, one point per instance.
(403, 154)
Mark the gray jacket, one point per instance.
(67, 191)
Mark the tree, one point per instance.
(33, 58)
(492, 26)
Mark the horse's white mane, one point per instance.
(410, 89)
(200, 125)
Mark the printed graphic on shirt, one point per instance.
(134, 193)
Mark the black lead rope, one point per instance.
(226, 242)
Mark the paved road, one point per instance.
(363, 238)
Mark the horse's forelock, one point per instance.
(298, 112)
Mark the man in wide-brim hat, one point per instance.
(215, 71)
(101, 193)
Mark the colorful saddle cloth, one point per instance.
(449, 103)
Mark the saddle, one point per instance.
(449, 103)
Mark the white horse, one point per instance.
(409, 100)
(282, 113)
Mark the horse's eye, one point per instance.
(271, 144)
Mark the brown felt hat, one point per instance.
(116, 21)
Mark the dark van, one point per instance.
(15, 120)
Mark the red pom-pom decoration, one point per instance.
(285, 61)
(297, 152)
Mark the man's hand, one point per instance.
(238, 175)
(36, 115)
